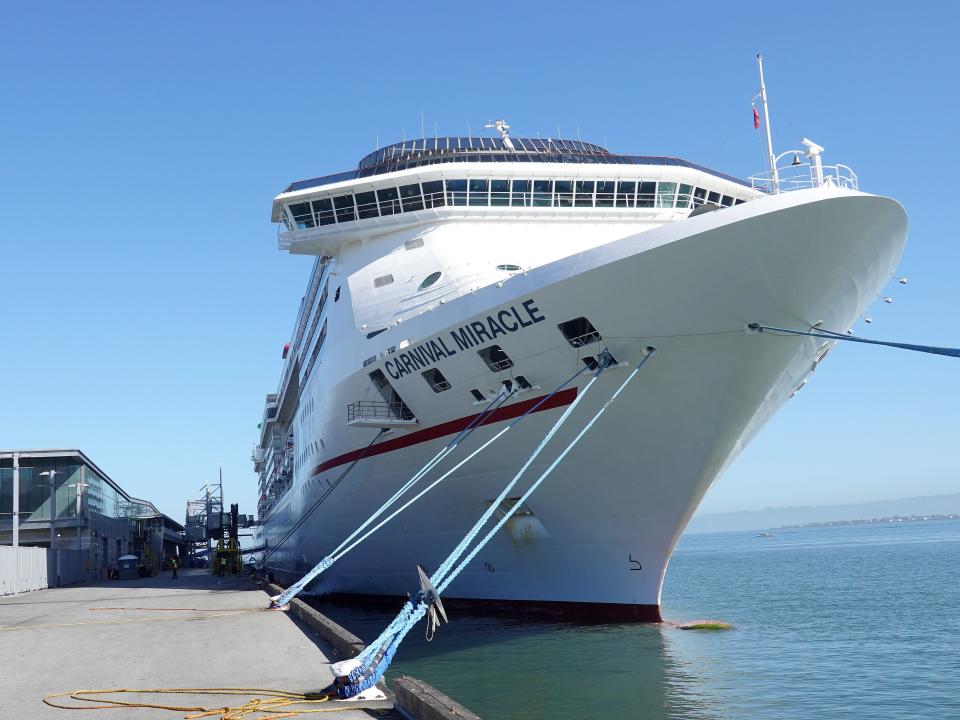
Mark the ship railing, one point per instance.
(804, 176)
(377, 412)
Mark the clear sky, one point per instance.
(144, 303)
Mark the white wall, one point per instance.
(24, 569)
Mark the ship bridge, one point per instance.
(427, 179)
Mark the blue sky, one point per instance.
(144, 303)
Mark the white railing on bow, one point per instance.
(804, 176)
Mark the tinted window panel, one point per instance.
(433, 193)
(302, 215)
(625, 193)
(479, 192)
(584, 196)
(323, 209)
(699, 196)
(684, 196)
(542, 192)
(726, 201)
(411, 198)
(389, 201)
(456, 192)
(563, 190)
(665, 194)
(344, 206)
(499, 192)
(646, 194)
(714, 197)
(521, 193)
(605, 193)
(367, 205)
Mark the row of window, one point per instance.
(503, 193)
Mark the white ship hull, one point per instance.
(605, 522)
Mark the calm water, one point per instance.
(860, 621)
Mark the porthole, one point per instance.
(509, 268)
(430, 280)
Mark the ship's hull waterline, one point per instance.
(603, 525)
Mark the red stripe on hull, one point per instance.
(564, 397)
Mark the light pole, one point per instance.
(53, 505)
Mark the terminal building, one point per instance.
(65, 502)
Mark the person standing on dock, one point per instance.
(173, 564)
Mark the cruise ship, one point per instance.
(447, 269)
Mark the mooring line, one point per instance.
(830, 335)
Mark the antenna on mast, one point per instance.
(766, 123)
(502, 127)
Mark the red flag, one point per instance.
(756, 119)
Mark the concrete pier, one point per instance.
(196, 631)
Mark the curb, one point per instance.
(423, 702)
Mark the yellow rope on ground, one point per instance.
(278, 703)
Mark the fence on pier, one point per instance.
(23, 569)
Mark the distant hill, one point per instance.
(778, 517)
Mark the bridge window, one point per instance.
(495, 358)
(345, 208)
(726, 201)
(521, 193)
(433, 194)
(542, 193)
(302, 215)
(605, 193)
(584, 194)
(714, 197)
(646, 193)
(625, 193)
(456, 192)
(563, 190)
(499, 192)
(665, 194)
(479, 192)
(683, 196)
(389, 201)
(699, 196)
(411, 198)
(323, 209)
(367, 205)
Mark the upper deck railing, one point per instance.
(804, 176)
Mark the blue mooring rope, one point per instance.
(930, 349)
(375, 659)
(327, 562)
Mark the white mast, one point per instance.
(766, 124)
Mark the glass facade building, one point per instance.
(65, 499)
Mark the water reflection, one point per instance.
(535, 670)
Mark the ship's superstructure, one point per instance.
(447, 268)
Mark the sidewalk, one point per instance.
(196, 631)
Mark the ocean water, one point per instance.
(850, 622)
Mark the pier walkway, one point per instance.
(197, 631)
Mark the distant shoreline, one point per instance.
(892, 519)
